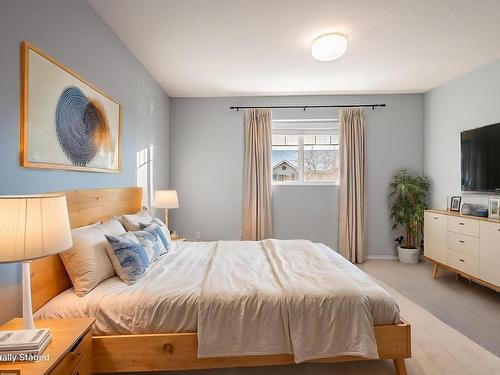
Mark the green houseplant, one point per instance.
(407, 205)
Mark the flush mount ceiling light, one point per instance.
(329, 47)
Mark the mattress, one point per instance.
(167, 299)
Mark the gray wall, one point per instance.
(74, 34)
(467, 102)
(206, 153)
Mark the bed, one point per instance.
(177, 317)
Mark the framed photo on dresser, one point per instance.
(494, 208)
(455, 203)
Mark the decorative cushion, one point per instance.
(131, 222)
(87, 262)
(128, 256)
(157, 226)
(152, 244)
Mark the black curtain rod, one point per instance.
(304, 107)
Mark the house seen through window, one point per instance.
(305, 151)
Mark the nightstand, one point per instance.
(180, 239)
(70, 351)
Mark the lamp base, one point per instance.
(28, 322)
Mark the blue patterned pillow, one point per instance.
(152, 244)
(159, 229)
(128, 257)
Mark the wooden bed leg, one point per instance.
(399, 364)
(435, 270)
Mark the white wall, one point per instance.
(467, 102)
(206, 153)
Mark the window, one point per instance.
(144, 173)
(305, 151)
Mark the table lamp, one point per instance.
(166, 199)
(32, 227)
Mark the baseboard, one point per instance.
(382, 257)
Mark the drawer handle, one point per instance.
(169, 348)
(75, 346)
(436, 218)
(461, 223)
(461, 260)
(461, 241)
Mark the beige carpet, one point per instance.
(471, 309)
(437, 349)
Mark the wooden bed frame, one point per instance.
(168, 351)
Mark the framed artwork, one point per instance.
(66, 122)
(455, 203)
(494, 208)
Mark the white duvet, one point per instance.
(244, 298)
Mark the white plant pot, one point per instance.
(408, 255)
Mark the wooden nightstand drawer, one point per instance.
(69, 352)
(85, 366)
(468, 227)
(463, 243)
(81, 351)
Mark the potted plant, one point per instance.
(408, 203)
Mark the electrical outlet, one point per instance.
(197, 235)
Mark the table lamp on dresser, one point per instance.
(32, 227)
(166, 199)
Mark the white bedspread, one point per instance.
(244, 298)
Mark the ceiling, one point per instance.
(263, 47)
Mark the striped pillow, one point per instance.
(128, 256)
(158, 228)
(152, 244)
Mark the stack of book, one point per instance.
(24, 342)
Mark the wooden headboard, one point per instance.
(48, 275)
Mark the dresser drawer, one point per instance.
(463, 243)
(72, 360)
(468, 227)
(463, 262)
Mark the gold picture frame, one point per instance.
(48, 138)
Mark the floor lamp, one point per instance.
(32, 227)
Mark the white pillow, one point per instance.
(131, 222)
(87, 262)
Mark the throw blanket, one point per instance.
(329, 314)
(271, 297)
(242, 309)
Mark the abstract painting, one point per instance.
(66, 122)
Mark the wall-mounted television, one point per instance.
(481, 159)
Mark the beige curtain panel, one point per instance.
(257, 220)
(352, 192)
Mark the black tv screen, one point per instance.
(481, 159)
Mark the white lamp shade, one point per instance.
(33, 227)
(166, 199)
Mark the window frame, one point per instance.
(299, 131)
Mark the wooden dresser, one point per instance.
(467, 245)
(69, 352)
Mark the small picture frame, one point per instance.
(494, 208)
(455, 203)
